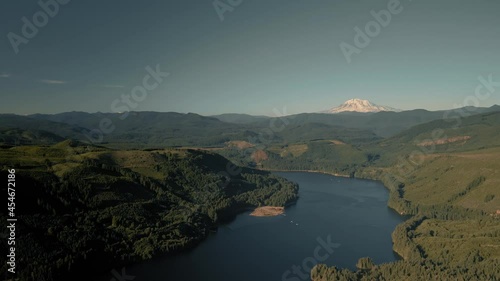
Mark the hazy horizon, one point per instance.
(281, 112)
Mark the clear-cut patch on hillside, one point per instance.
(259, 156)
(239, 144)
(444, 141)
(337, 142)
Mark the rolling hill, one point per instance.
(134, 204)
(83, 210)
(445, 175)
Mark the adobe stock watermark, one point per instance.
(30, 28)
(123, 276)
(372, 29)
(408, 165)
(264, 138)
(279, 116)
(483, 91)
(320, 254)
(127, 102)
(223, 6)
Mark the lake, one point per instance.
(336, 221)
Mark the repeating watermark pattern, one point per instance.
(121, 276)
(483, 91)
(30, 28)
(127, 102)
(321, 253)
(261, 141)
(223, 6)
(372, 29)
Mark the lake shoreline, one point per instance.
(324, 208)
(307, 171)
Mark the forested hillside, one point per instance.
(444, 173)
(130, 205)
(451, 187)
(83, 209)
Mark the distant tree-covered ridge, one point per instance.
(84, 209)
(450, 186)
(443, 173)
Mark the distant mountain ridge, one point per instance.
(158, 129)
(359, 105)
(237, 118)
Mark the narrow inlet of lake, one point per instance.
(336, 221)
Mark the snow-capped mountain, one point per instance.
(359, 105)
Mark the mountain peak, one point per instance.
(359, 105)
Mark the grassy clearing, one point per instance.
(446, 179)
(295, 150)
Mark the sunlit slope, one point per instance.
(468, 179)
(330, 155)
(447, 175)
(459, 242)
(441, 136)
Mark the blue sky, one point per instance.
(263, 55)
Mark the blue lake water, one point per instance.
(336, 221)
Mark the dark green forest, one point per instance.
(83, 210)
(132, 198)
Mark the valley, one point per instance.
(161, 188)
(234, 140)
(124, 206)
